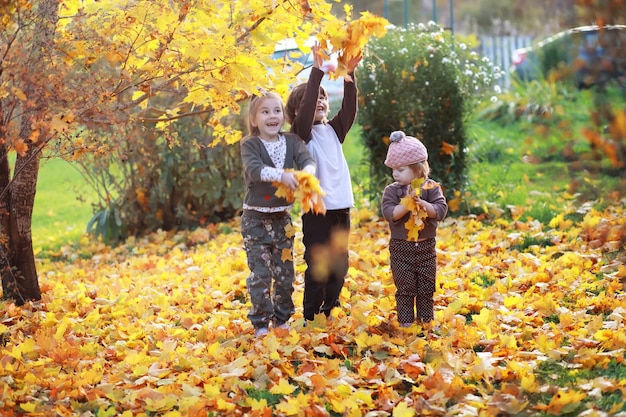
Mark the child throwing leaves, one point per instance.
(268, 156)
(413, 260)
(325, 236)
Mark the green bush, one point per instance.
(418, 80)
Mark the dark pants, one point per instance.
(325, 239)
(414, 269)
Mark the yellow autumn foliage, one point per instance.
(158, 326)
(308, 193)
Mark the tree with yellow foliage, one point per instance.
(70, 68)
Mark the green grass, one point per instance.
(62, 205)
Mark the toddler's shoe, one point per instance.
(261, 331)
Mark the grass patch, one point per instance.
(272, 399)
(484, 280)
(530, 241)
(63, 205)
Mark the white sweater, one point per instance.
(332, 167)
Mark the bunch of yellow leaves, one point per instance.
(308, 193)
(350, 37)
(411, 201)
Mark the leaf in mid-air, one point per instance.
(349, 39)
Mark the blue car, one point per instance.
(587, 55)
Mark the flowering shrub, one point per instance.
(422, 82)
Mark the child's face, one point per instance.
(404, 175)
(269, 118)
(322, 109)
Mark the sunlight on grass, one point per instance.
(62, 205)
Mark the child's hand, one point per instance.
(354, 62)
(329, 66)
(318, 58)
(289, 179)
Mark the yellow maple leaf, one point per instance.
(365, 340)
(402, 409)
(283, 387)
(417, 213)
(349, 39)
(565, 401)
(308, 193)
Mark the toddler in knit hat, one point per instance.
(413, 211)
(404, 150)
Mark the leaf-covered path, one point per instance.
(531, 322)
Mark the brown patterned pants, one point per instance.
(414, 269)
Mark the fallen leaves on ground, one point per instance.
(158, 327)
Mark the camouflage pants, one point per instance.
(414, 269)
(268, 242)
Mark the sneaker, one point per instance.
(284, 326)
(406, 325)
(261, 331)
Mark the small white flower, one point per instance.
(497, 89)
(403, 51)
(427, 83)
(463, 46)
(494, 99)
(445, 60)
(421, 26)
(431, 23)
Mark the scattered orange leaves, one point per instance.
(158, 326)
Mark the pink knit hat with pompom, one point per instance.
(404, 150)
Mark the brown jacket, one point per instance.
(391, 197)
(254, 157)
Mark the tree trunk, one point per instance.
(17, 259)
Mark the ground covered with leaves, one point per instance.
(531, 322)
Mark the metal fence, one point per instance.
(499, 50)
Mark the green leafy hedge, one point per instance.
(422, 82)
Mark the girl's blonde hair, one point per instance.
(253, 106)
(421, 169)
